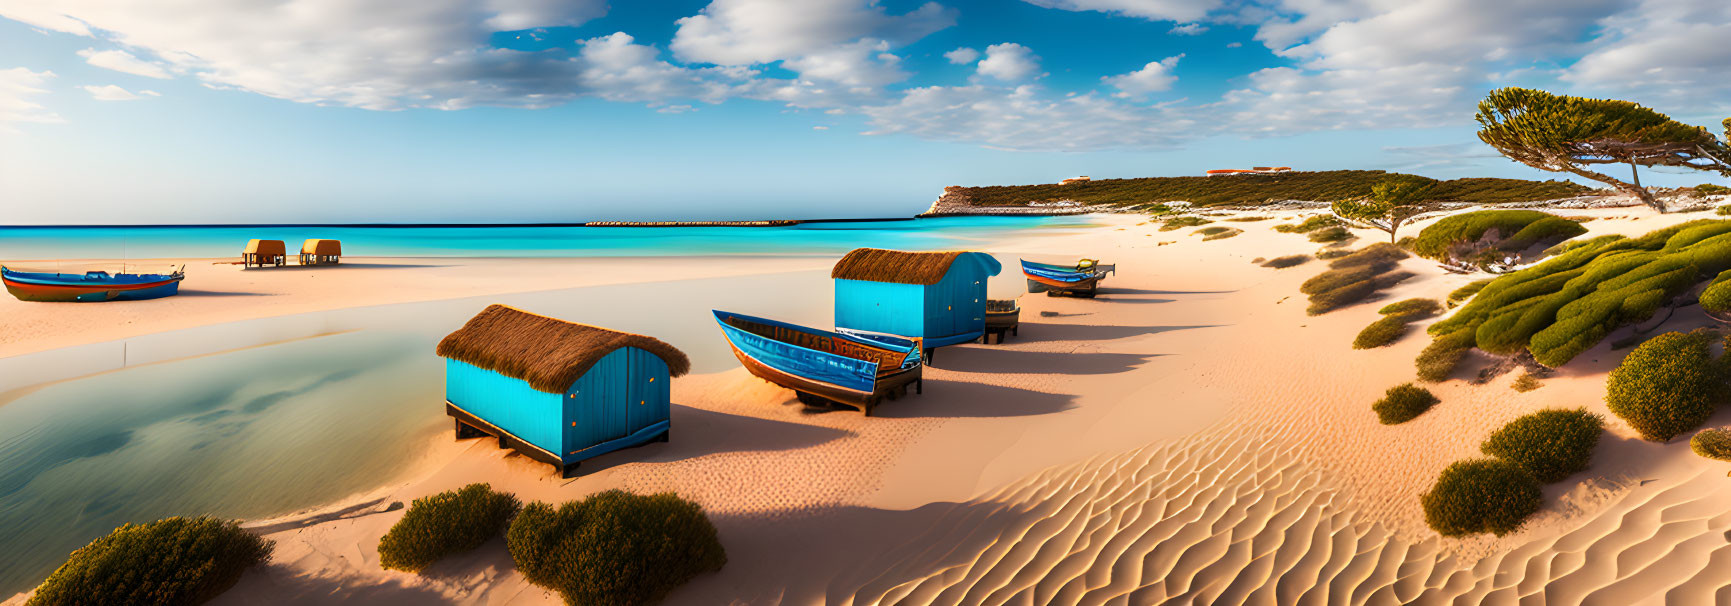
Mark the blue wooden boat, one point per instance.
(90, 286)
(1082, 278)
(854, 368)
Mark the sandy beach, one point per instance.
(1190, 435)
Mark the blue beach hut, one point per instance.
(939, 297)
(556, 391)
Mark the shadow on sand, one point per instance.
(698, 432)
(1036, 331)
(987, 359)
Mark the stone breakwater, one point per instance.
(955, 202)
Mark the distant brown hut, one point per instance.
(319, 252)
(557, 391)
(264, 252)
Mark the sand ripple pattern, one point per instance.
(1216, 522)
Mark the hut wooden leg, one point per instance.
(920, 386)
(567, 471)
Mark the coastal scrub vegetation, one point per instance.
(1549, 444)
(1308, 225)
(1667, 386)
(1460, 295)
(1391, 203)
(1481, 495)
(614, 547)
(172, 561)
(1403, 403)
(1330, 234)
(1567, 304)
(1560, 133)
(1392, 326)
(1716, 298)
(1487, 239)
(1218, 232)
(1250, 190)
(1708, 189)
(1286, 261)
(1526, 382)
(1354, 278)
(1329, 254)
(1183, 221)
(1714, 443)
(447, 523)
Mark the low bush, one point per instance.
(1328, 254)
(1249, 219)
(1308, 225)
(1716, 298)
(172, 561)
(447, 523)
(1438, 360)
(1354, 278)
(1709, 189)
(1218, 233)
(1330, 234)
(1286, 261)
(614, 547)
(1526, 382)
(1417, 308)
(1712, 443)
(1183, 221)
(1491, 235)
(1403, 403)
(1549, 444)
(1384, 331)
(1481, 495)
(1669, 385)
(1466, 292)
(1723, 210)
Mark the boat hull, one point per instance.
(1052, 279)
(838, 368)
(90, 293)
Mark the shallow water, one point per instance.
(809, 238)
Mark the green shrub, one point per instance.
(1330, 234)
(1481, 495)
(1709, 189)
(1246, 190)
(1438, 360)
(1712, 443)
(1716, 298)
(1417, 308)
(614, 547)
(1354, 278)
(450, 522)
(1526, 382)
(1286, 261)
(1453, 238)
(1327, 254)
(1466, 292)
(1669, 385)
(172, 561)
(1723, 210)
(1309, 225)
(1403, 403)
(1384, 331)
(1249, 219)
(1218, 232)
(1549, 444)
(1183, 221)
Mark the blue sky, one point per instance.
(112, 111)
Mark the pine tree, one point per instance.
(1392, 202)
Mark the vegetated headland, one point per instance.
(1145, 194)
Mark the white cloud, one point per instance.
(1234, 44)
(747, 32)
(1158, 10)
(1154, 77)
(1023, 118)
(1009, 62)
(125, 62)
(1676, 51)
(1188, 29)
(962, 56)
(17, 86)
(376, 54)
(109, 92)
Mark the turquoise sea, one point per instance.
(266, 417)
(40, 243)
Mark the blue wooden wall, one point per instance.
(510, 404)
(885, 307)
(951, 311)
(622, 394)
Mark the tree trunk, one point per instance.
(1634, 189)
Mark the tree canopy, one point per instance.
(1392, 201)
(1560, 133)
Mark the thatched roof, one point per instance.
(264, 247)
(925, 268)
(331, 248)
(549, 353)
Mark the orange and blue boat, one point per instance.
(90, 286)
(851, 367)
(1083, 278)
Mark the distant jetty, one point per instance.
(765, 223)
